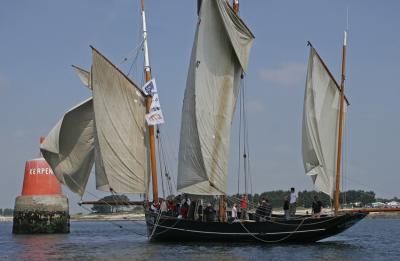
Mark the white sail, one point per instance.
(220, 54)
(320, 125)
(119, 108)
(108, 129)
(69, 147)
(83, 75)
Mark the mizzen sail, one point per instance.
(320, 124)
(219, 56)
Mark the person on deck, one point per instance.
(234, 215)
(259, 212)
(293, 203)
(184, 210)
(155, 206)
(209, 213)
(200, 211)
(243, 205)
(267, 209)
(170, 207)
(192, 209)
(163, 207)
(286, 207)
(316, 207)
(177, 205)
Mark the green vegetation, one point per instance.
(105, 209)
(6, 212)
(305, 198)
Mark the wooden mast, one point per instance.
(341, 116)
(148, 105)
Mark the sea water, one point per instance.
(370, 239)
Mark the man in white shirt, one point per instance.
(234, 212)
(293, 203)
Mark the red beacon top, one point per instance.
(39, 178)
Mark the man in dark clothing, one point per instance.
(263, 211)
(171, 207)
(178, 205)
(259, 212)
(267, 209)
(286, 207)
(184, 210)
(200, 211)
(316, 207)
(192, 209)
(209, 212)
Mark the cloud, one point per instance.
(288, 75)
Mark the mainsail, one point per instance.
(320, 124)
(219, 56)
(108, 129)
(119, 109)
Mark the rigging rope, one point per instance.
(243, 144)
(275, 241)
(168, 175)
(240, 147)
(160, 160)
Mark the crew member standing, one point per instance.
(316, 207)
(243, 205)
(234, 213)
(293, 203)
(286, 207)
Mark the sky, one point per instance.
(40, 40)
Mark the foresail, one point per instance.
(220, 54)
(320, 125)
(121, 131)
(69, 147)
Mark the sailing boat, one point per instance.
(112, 130)
(219, 59)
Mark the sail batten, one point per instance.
(320, 125)
(219, 55)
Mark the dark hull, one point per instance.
(278, 230)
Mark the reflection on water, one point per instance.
(38, 247)
(371, 239)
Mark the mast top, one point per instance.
(235, 6)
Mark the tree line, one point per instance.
(305, 198)
(6, 212)
(106, 209)
(276, 198)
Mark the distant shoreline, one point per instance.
(108, 217)
(131, 216)
(6, 219)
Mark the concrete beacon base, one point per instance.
(41, 214)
